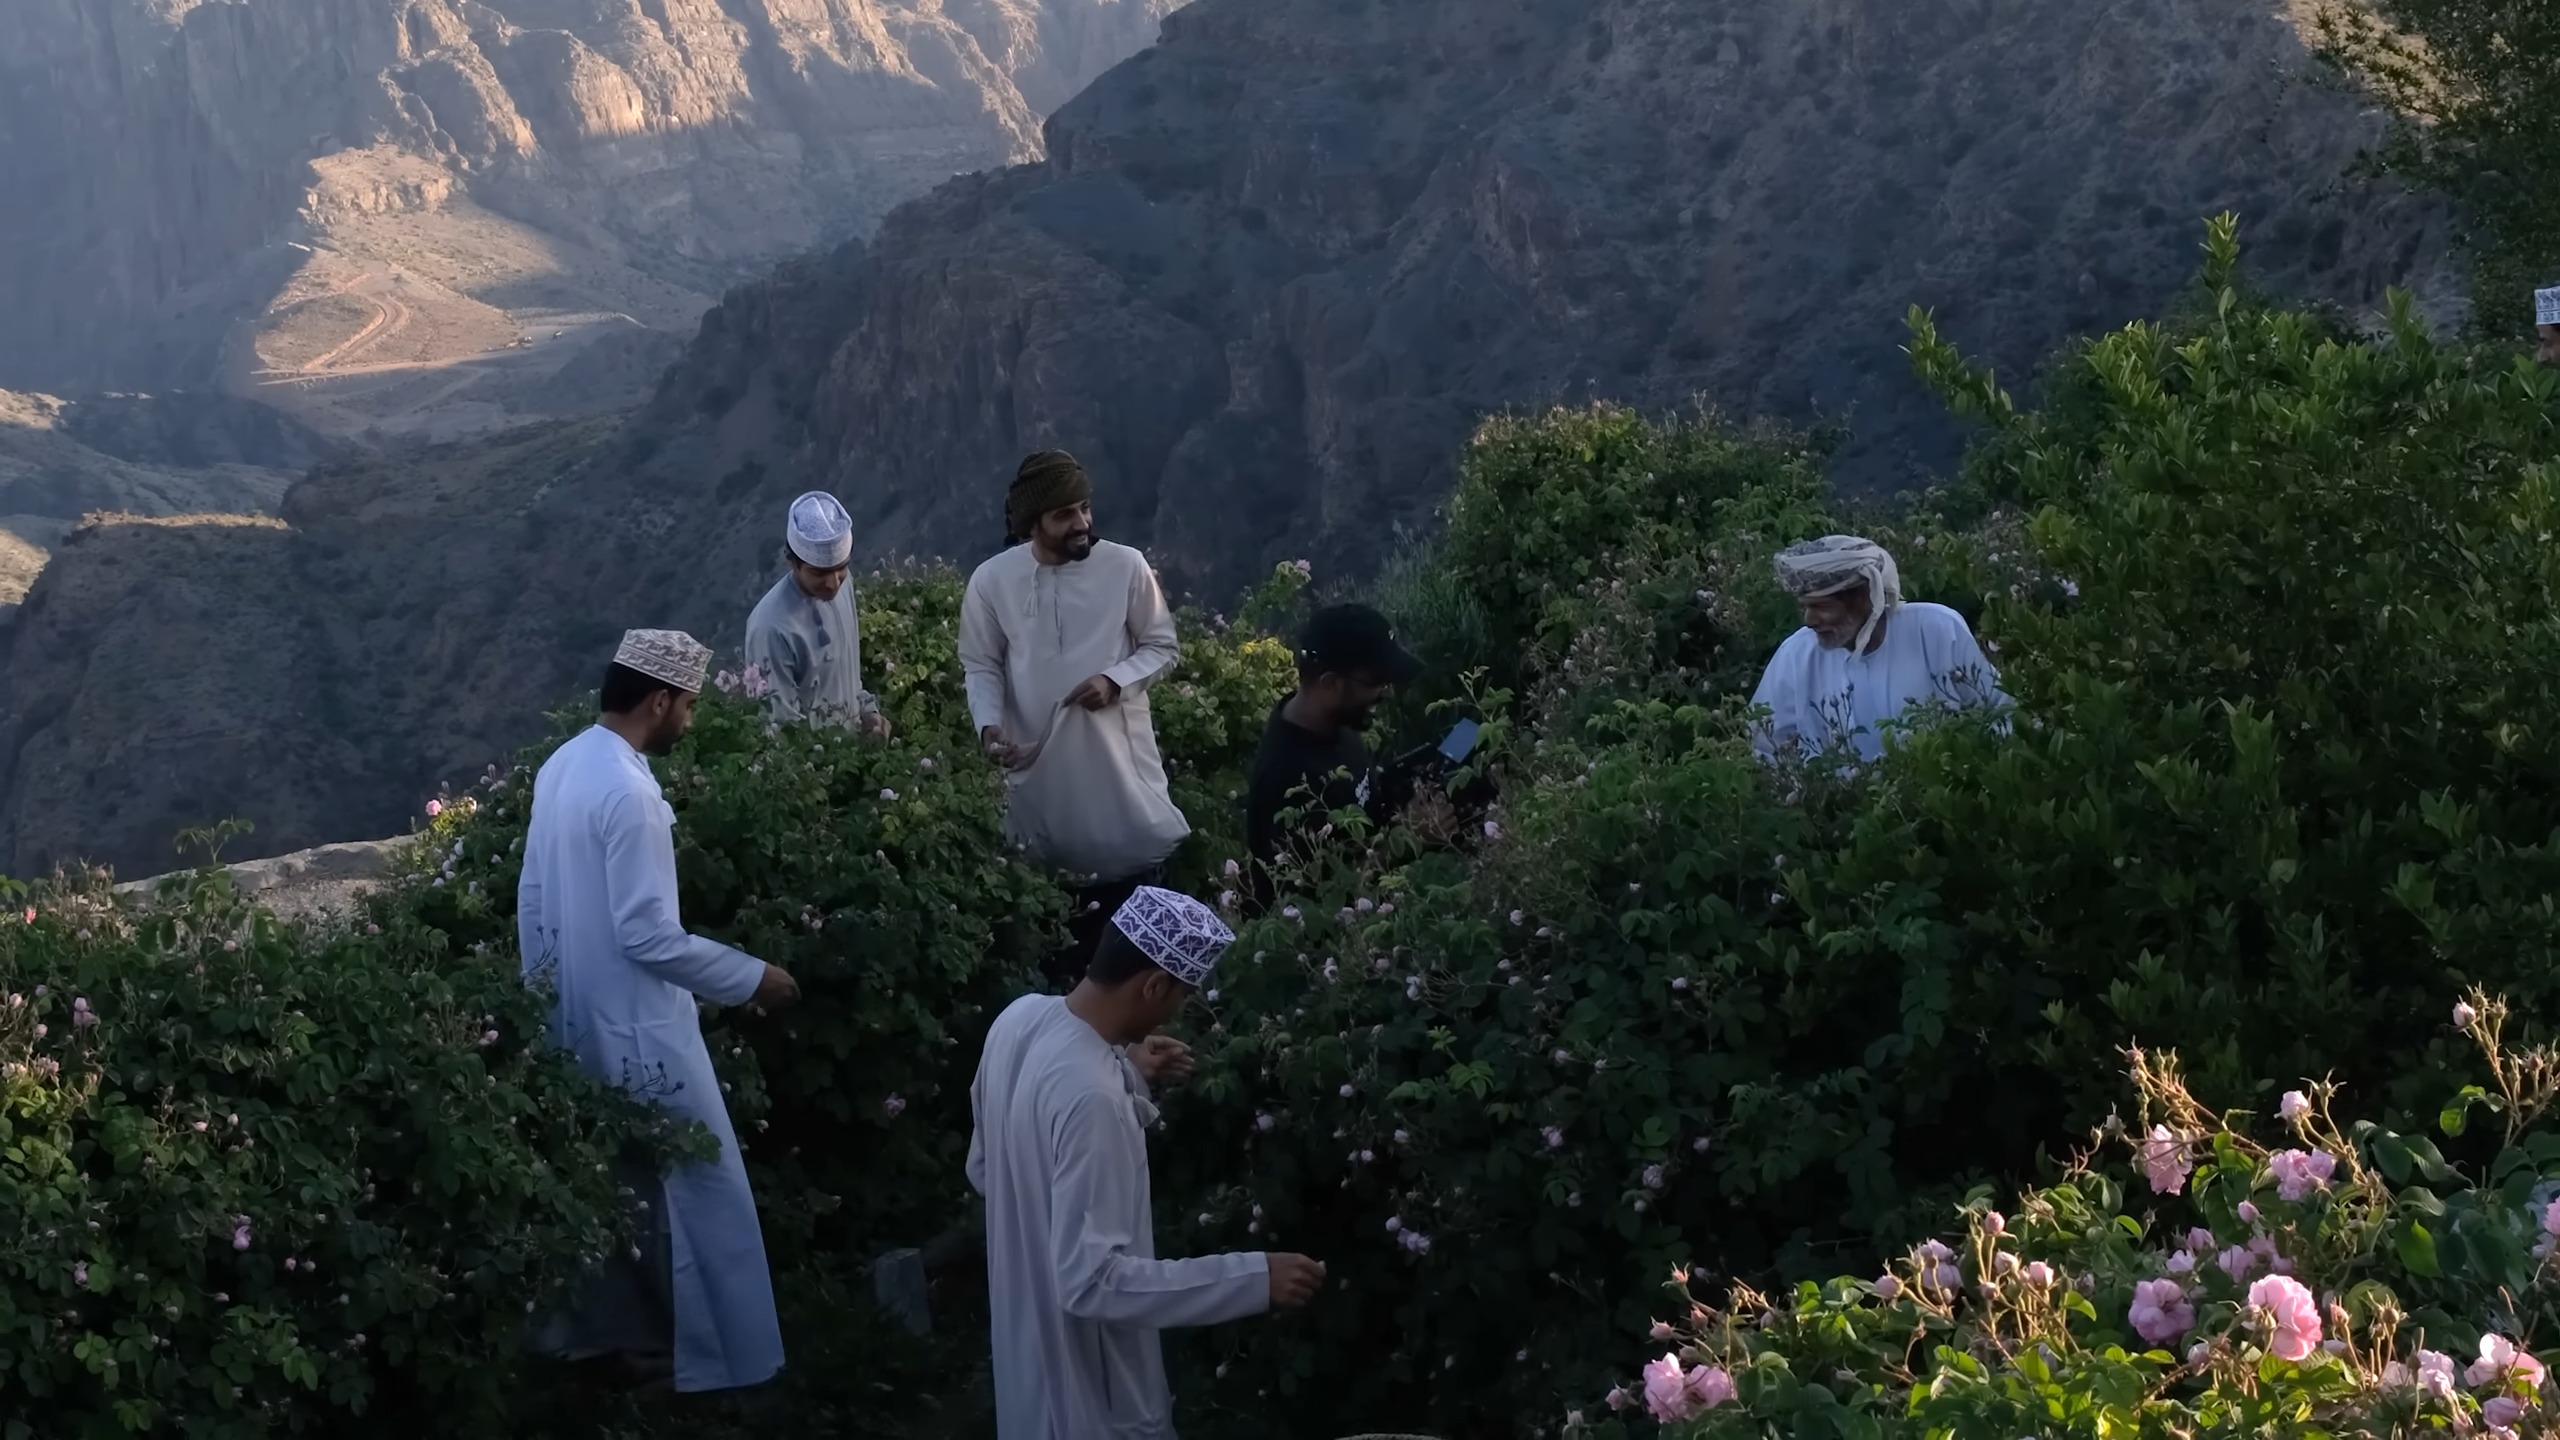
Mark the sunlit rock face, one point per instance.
(304, 198)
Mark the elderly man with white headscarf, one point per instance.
(804, 639)
(1864, 656)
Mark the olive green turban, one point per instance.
(1049, 480)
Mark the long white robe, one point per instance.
(596, 919)
(1095, 802)
(1075, 1289)
(811, 651)
(1820, 698)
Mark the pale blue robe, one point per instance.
(596, 918)
(1075, 1290)
(1820, 698)
(811, 651)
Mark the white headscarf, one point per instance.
(1836, 563)
(2546, 306)
(820, 532)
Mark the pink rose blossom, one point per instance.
(79, 1274)
(2500, 1359)
(1994, 1223)
(434, 808)
(2161, 1312)
(2435, 1374)
(1555, 1137)
(2181, 1263)
(2164, 1161)
(2248, 1213)
(1888, 1288)
(2500, 1412)
(894, 1106)
(1618, 1399)
(2237, 1262)
(2551, 1218)
(1666, 1389)
(2299, 1172)
(2038, 1274)
(1710, 1387)
(2291, 1315)
(2201, 1241)
(2463, 1015)
(240, 1236)
(2294, 1108)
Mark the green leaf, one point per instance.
(2418, 1250)
(2456, 1114)
(2391, 1155)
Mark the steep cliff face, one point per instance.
(156, 455)
(1264, 280)
(312, 195)
(1272, 270)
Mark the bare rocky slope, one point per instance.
(393, 216)
(1264, 280)
(152, 455)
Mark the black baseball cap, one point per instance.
(1343, 639)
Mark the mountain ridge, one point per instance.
(1266, 279)
(311, 201)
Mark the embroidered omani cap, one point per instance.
(1182, 936)
(669, 655)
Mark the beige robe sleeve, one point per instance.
(1157, 647)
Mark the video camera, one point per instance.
(1433, 764)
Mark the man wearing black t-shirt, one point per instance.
(1315, 755)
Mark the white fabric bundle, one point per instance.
(821, 533)
(1836, 563)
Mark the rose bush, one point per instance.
(2274, 602)
(2274, 599)
(2187, 1277)
(259, 1180)
(876, 872)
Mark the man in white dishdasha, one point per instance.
(1062, 1104)
(1061, 637)
(804, 638)
(1864, 656)
(596, 922)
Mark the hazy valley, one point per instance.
(1263, 277)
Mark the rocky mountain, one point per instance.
(1265, 278)
(145, 455)
(393, 216)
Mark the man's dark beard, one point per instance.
(1077, 547)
